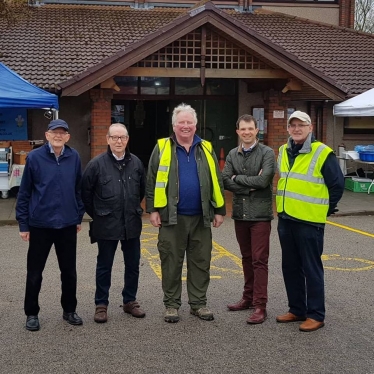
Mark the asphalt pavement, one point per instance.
(192, 346)
(351, 204)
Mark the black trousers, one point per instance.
(131, 256)
(302, 248)
(40, 244)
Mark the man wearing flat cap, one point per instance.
(49, 211)
(310, 186)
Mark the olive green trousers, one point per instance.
(187, 238)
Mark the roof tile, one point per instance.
(58, 42)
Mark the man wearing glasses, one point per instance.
(49, 211)
(310, 186)
(113, 187)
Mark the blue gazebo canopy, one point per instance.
(16, 92)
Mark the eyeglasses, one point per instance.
(115, 138)
(60, 133)
(297, 126)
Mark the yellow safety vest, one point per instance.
(164, 145)
(302, 192)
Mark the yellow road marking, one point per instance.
(350, 229)
(338, 257)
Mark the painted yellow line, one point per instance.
(369, 263)
(153, 261)
(350, 229)
(223, 252)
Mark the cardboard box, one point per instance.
(20, 158)
(21, 145)
(358, 184)
(4, 144)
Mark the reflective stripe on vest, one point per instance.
(164, 146)
(302, 192)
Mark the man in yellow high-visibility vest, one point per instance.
(310, 186)
(184, 194)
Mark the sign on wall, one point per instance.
(13, 124)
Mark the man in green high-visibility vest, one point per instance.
(184, 194)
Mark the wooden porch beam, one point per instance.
(209, 73)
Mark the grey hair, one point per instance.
(183, 108)
(117, 125)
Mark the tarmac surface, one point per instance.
(351, 204)
(226, 345)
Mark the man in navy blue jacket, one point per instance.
(49, 211)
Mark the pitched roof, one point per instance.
(59, 42)
(344, 55)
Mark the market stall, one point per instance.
(17, 93)
(359, 106)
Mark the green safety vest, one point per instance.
(302, 192)
(164, 145)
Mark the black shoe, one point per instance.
(32, 323)
(72, 318)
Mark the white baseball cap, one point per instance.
(302, 116)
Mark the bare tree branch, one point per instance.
(364, 15)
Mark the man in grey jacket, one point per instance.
(248, 173)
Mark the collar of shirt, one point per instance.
(119, 158)
(52, 151)
(250, 148)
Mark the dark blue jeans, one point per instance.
(40, 244)
(105, 258)
(302, 248)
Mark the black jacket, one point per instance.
(112, 192)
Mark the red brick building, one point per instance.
(135, 61)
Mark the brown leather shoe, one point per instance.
(240, 305)
(133, 308)
(311, 325)
(101, 314)
(258, 316)
(289, 317)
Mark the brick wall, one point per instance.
(346, 13)
(276, 133)
(100, 119)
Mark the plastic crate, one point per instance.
(4, 166)
(366, 156)
(358, 184)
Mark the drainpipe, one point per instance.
(248, 6)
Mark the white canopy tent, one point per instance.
(359, 106)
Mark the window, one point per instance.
(154, 86)
(188, 86)
(358, 125)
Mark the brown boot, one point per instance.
(101, 315)
(258, 316)
(311, 325)
(133, 308)
(240, 305)
(290, 317)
